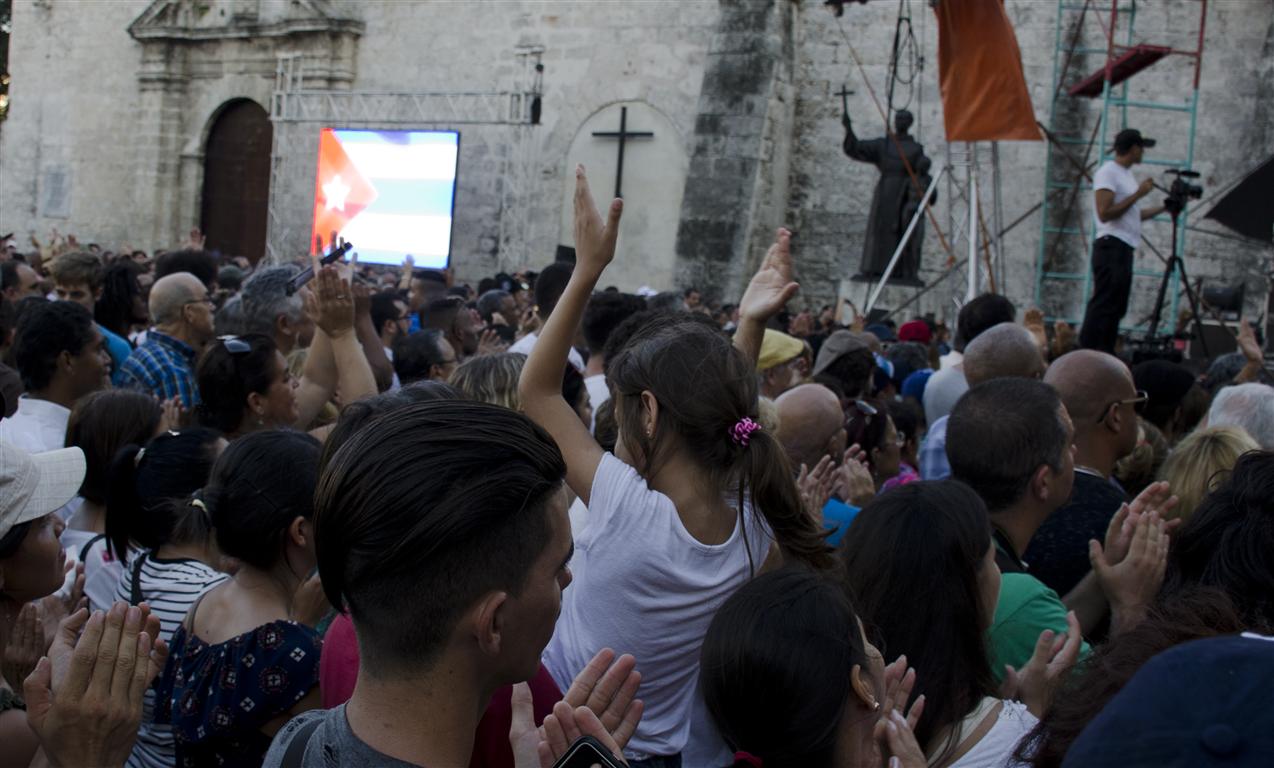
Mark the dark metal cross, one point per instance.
(844, 94)
(623, 135)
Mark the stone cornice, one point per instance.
(157, 24)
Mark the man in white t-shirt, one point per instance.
(1116, 195)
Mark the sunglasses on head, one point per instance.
(235, 345)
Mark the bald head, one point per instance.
(172, 292)
(810, 420)
(1089, 381)
(1002, 351)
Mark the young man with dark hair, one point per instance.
(604, 313)
(424, 355)
(457, 322)
(948, 383)
(62, 357)
(201, 264)
(549, 286)
(453, 579)
(77, 277)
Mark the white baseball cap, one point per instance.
(34, 485)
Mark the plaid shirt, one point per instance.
(164, 367)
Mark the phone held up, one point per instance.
(587, 752)
(307, 274)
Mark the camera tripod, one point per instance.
(1175, 263)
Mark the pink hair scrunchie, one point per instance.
(741, 433)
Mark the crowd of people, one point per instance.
(379, 517)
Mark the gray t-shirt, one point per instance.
(331, 745)
(942, 391)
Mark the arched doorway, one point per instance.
(236, 180)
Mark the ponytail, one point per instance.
(766, 476)
(123, 504)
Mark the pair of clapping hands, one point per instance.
(84, 699)
(602, 703)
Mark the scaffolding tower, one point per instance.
(1088, 106)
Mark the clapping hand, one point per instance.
(853, 480)
(895, 730)
(1131, 583)
(816, 487)
(600, 703)
(594, 239)
(331, 304)
(772, 286)
(25, 646)
(84, 700)
(490, 342)
(1036, 682)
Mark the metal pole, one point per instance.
(902, 244)
(973, 225)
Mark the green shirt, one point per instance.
(1025, 609)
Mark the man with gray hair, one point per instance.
(1249, 407)
(1002, 351)
(268, 309)
(164, 366)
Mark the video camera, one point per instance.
(1182, 190)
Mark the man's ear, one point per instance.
(486, 620)
(1040, 488)
(66, 361)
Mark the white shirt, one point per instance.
(525, 344)
(37, 426)
(634, 545)
(598, 393)
(1118, 179)
(995, 749)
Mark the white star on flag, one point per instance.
(335, 192)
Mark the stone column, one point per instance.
(163, 80)
(737, 187)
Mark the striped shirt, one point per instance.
(164, 367)
(170, 587)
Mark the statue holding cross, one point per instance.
(896, 198)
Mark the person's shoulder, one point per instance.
(312, 721)
(1021, 592)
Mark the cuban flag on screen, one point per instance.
(390, 193)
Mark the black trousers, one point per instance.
(1112, 285)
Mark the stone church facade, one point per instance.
(117, 109)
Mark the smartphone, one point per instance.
(307, 274)
(587, 752)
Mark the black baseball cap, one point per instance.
(1129, 138)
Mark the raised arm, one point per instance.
(770, 289)
(335, 362)
(540, 387)
(365, 330)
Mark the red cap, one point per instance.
(915, 330)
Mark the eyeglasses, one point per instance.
(235, 345)
(203, 300)
(1138, 403)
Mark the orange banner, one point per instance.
(984, 95)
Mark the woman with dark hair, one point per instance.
(100, 425)
(790, 679)
(168, 539)
(871, 427)
(909, 420)
(246, 657)
(938, 536)
(1227, 543)
(1193, 614)
(245, 385)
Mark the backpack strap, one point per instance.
(295, 753)
(89, 545)
(135, 587)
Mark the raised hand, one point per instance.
(174, 416)
(1036, 682)
(607, 686)
(1156, 497)
(331, 304)
(1248, 345)
(594, 239)
(853, 481)
(490, 343)
(816, 486)
(565, 726)
(1133, 582)
(772, 287)
(195, 240)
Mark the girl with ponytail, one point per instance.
(159, 531)
(696, 500)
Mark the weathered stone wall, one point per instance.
(749, 87)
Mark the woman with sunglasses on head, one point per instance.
(244, 382)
